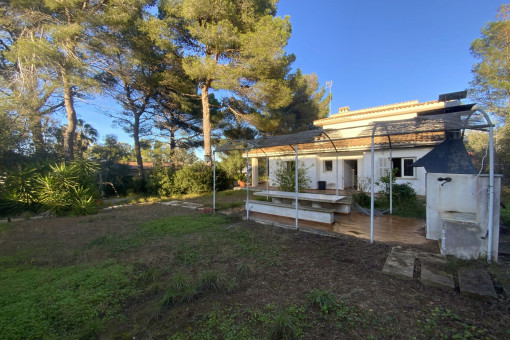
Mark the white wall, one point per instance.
(418, 182)
(330, 176)
(308, 161)
(464, 196)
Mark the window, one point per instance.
(328, 165)
(290, 165)
(404, 168)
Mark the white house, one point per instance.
(349, 158)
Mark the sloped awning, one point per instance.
(424, 129)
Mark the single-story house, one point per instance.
(347, 161)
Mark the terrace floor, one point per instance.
(387, 228)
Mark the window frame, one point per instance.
(324, 167)
(402, 167)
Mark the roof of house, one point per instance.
(345, 115)
(420, 130)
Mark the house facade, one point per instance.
(348, 161)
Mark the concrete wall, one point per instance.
(457, 214)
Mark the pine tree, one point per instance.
(491, 83)
(233, 46)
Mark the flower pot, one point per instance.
(241, 183)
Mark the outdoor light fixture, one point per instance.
(444, 180)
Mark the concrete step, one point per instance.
(476, 283)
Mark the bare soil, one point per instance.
(283, 274)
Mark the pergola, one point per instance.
(392, 134)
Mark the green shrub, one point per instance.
(198, 178)
(286, 177)
(59, 189)
(213, 280)
(361, 198)
(19, 192)
(324, 300)
(161, 181)
(180, 290)
(283, 327)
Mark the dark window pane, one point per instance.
(328, 165)
(397, 164)
(408, 170)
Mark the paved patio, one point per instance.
(387, 228)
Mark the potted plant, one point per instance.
(241, 180)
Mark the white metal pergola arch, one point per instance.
(314, 141)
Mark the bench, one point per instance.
(287, 210)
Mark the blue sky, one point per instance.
(375, 52)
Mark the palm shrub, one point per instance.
(59, 188)
(62, 190)
(19, 191)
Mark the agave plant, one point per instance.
(19, 191)
(61, 189)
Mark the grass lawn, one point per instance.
(156, 271)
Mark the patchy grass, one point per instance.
(68, 302)
(167, 272)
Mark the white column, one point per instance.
(372, 184)
(337, 174)
(254, 172)
(247, 187)
(214, 182)
(391, 182)
(296, 174)
(491, 194)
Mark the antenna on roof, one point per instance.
(330, 85)
(452, 96)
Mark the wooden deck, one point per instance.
(386, 228)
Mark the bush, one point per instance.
(161, 181)
(361, 198)
(198, 178)
(325, 301)
(286, 178)
(60, 189)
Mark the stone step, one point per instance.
(476, 283)
(472, 282)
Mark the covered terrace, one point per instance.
(379, 134)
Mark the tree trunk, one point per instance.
(172, 138)
(136, 137)
(72, 121)
(206, 118)
(36, 129)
